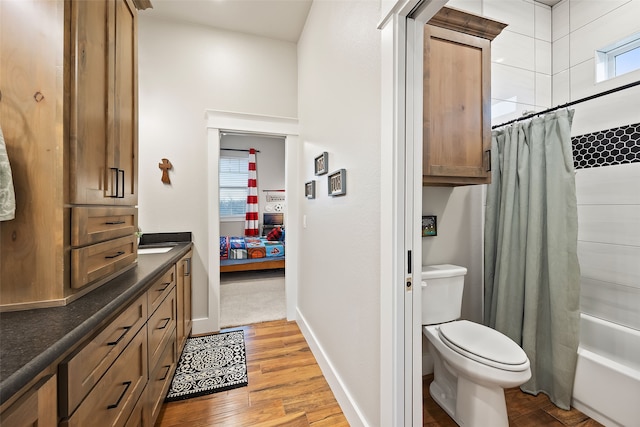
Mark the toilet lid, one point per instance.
(484, 345)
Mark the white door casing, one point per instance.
(217, 121)
(401, 322)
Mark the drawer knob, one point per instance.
(126, 385)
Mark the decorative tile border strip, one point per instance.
(609, 147)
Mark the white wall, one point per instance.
(270, 172)
(459, 239)
(339, 112)
(183, 70)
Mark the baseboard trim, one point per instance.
(345, 400)
(202, 326)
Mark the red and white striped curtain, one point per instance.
(251, 218)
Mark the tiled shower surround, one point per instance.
(609, 147)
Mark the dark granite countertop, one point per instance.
(32, 340)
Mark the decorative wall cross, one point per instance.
(165, 166)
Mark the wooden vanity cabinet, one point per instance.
(118, 375)
(457, 98)
(36, 407)
(82, 371)
(116, 394)
(68, 93)
(110, 366)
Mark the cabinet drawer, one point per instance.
(92, 225)
(160, 327)
(160, 378)
(84, 369)
(114, 397)
(160, 289)
(95, 262)
(138, 417)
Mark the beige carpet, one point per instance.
(251, 297)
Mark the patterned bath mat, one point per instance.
(210, 364)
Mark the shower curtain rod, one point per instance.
(237, 149)
(568, 104)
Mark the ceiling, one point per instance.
(276, 19)
(549, 2)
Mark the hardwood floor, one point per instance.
(286, 388)
(524, 410)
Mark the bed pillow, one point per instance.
(274, 234)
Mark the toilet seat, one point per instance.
(484, 345)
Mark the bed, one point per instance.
(251, 253)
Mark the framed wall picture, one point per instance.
(429, 225)
(337, 183)
(310, 189)
(321, 164)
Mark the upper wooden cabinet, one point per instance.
(68, 104)
(103, 103)
(457, 98)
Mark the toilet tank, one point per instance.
(442, 287)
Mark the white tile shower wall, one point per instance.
(609, 242)
(542, 23)
(521, 67)
(580, 27)
(600, 24)
(608, 197)
(583, 12)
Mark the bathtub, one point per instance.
(607, 381)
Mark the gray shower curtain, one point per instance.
(532, 276)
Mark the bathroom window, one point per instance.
(234, 175)
(619, 58)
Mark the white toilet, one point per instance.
(472, 363)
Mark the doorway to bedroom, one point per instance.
(252, 253)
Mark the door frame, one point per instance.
(401, 321)
(216, 122)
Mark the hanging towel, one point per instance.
(7, 194)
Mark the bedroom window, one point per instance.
(234, 174)
(619, 58)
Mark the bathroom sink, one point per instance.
(154, 250)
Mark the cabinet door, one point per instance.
(183, 281)
(90, 98)
(457, 123)
(37, 407)
(125, 144)
(188, 321)
(103, 103)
